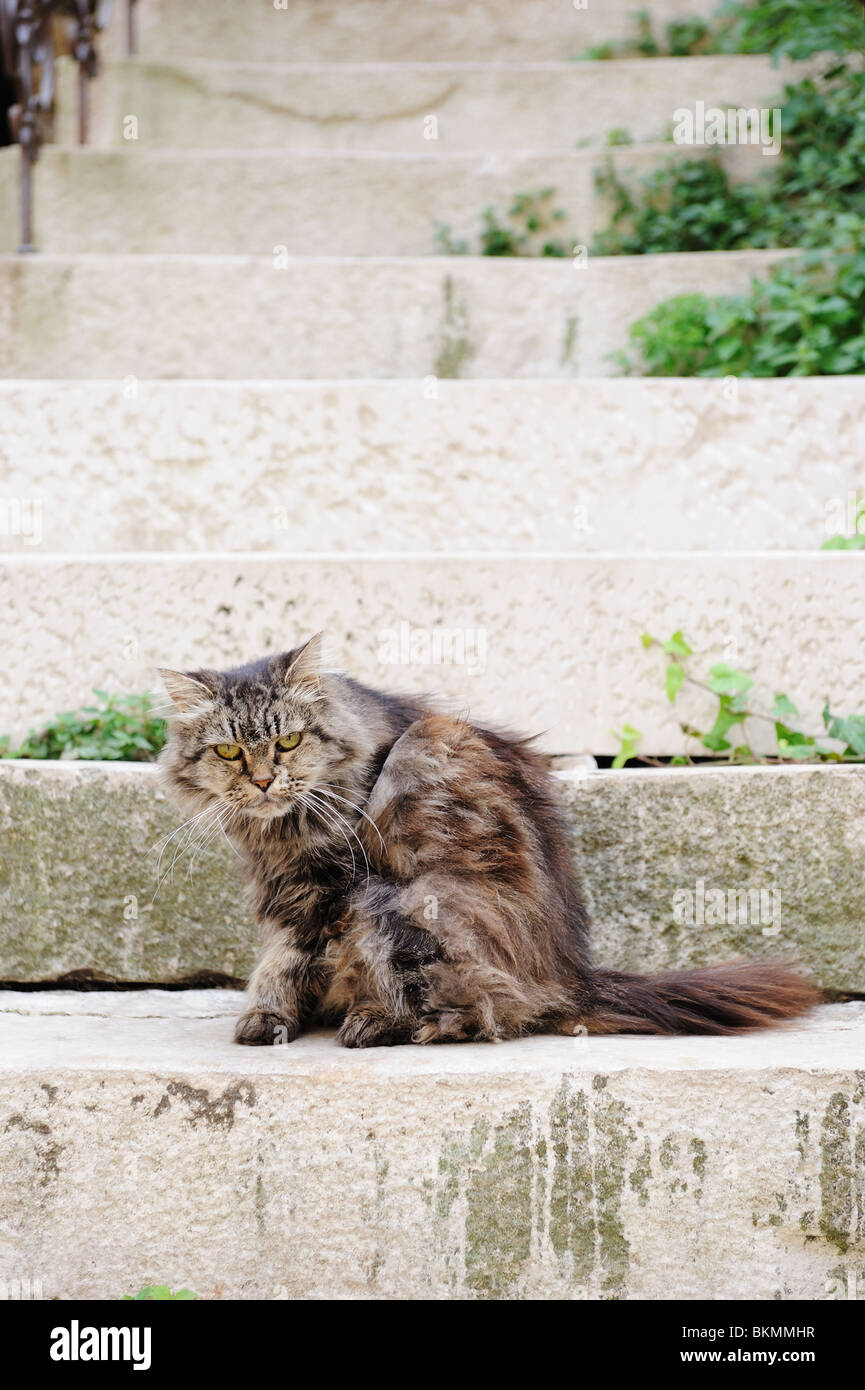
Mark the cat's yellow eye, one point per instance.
(287, 742)
(229, 751)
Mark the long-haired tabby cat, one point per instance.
(411, 871)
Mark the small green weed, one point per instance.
(727, 740)
(120, 728)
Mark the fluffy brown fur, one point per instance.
(411, 872)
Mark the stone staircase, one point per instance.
(254, 401)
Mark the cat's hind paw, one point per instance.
(263, 1028)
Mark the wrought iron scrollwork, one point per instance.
(88, 18)
(27, 34)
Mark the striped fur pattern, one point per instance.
(411, 871)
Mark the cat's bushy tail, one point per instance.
(729, 998)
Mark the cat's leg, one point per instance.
(473, 999)
(281, 993)
(372, 1025)
(376, 970)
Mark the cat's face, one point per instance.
(263, 739)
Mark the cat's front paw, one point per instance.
(264, 1028)
(371, 1028)
(451, 1025)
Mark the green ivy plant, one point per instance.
(789, 28)
(526, 230)
(727, 740)
(120, 728)
(806, 319)
(692, 205)
(785, 28)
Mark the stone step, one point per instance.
(414, 107)
(595, 1168)
(156, 316)
(631, 465)
(235, 203)
(387, 30)
(83, 887)
(546, 642)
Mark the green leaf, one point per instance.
(850, 730)
(675, 675)
(630, 740)
(714, 743)
(727, 681)
(798, 752)
(715, 740)
(677, 646)
(783, 707)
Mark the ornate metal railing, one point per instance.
(28, 30)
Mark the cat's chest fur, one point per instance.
(304, 895)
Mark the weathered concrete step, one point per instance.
(158, 316)
(597, 1168)
(415, 107)
(631, 465)
(236, 203)
(387, 30)
(82, 887)
(538, 642)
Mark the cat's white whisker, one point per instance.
(205, 839)
(232, 814)
(341, 819)
(327, 788)
(190, 827)
(333, 826)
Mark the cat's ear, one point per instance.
(301, 670)
(185, 692)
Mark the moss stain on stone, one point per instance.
(591, 1148)
(499, 1208)
(669, 1154)
(836, 1174)
(572, 1225)
(448, 1186)
(456, 349)
(699, 1159)
(802, 1131)
(217, 1112)
(479, 1136)
(642, 1174)
(614, 1138)
(46, 1150)
(569, 341)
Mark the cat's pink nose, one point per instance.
(263, 782)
